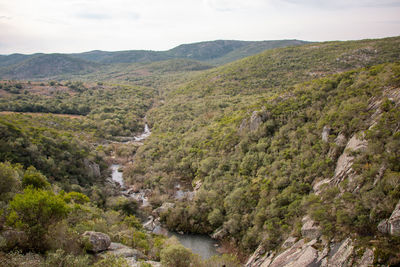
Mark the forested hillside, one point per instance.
(251, 134)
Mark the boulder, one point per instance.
(164, 208)
(96, 241)
(392, 225)
(121, 250)
(310, 229)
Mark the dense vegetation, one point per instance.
(110, 110)
(257, 181)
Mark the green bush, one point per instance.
(34, 178)
(33, 212)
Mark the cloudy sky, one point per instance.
(29, 26)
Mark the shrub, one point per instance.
(34, 178)
(33, 212)
(176, 255)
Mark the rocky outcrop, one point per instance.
(96, 241)
(305, 254)
(343, 166)
(253, 123)
(310, 229)
(392, 225)
(344, 163)
(300, 254)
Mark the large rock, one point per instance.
(97, 241)
(310, 229)
(392, 225)
(121, 250)
(164, 208)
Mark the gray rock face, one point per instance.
(392, 225)
(310, 229)
(343, 256)
(306, 255)
(255, 121)
(98, 241)
(300, 254)
(325, 133)
(345, 161)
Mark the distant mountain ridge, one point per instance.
(212, 52)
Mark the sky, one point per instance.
(68, 26)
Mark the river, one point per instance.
(202, 245)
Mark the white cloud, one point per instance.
(80, 25)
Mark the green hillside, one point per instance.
(250, 132)
(45, 66)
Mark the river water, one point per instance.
(202, 245)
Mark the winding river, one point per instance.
(202, 245)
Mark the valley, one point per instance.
(272, 153)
